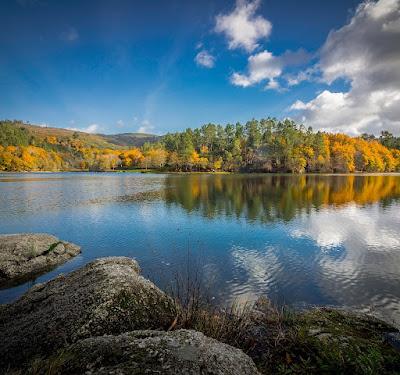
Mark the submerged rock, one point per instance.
(393, 338)
(24, 256)
(155, 352)
(107, 296)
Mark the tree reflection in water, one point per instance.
(267, 198)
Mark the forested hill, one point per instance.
(267, 145)
(129, 139)
(39, 135)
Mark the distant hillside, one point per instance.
(26, 147)
(129, 139)
(115, 141)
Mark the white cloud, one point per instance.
(365, 47)
(261, 66)
(242, 27)
(327, 100)
(308, 74)
(366, 53)
(264, 66)
(146, 127)
(70, 35)
(272, 85)
(120, 123)
(93, 128)
(204, 58)
(383, 8)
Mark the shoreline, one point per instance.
(155, 171)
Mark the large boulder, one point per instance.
(107, 296)
(24, 256)
(153, 352)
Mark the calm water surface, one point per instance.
(297, 239)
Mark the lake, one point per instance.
(300, 240)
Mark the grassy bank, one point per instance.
(281, 341)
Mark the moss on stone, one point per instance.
(52, 247)
(329, 341)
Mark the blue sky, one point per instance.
(159, 66)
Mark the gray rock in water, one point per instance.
(107, 296)
(156, 352)
(393, 338)
(24, 256)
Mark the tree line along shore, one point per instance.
(267, 145)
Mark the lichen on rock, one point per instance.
(156, 352)
(107, 296)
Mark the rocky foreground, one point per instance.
(25, 256)
(105, 318)
(109, 319)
